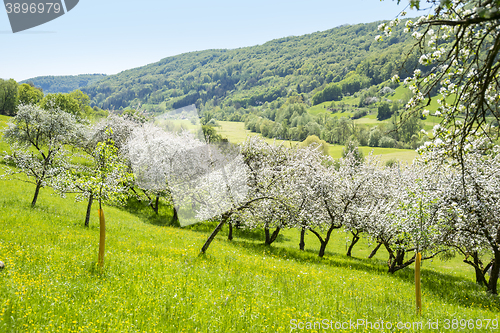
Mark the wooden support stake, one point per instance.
(102, 239)
(418, 291)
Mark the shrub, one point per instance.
(386, 90)
(359, 113)
(314, 140)
(375, 136)
(384, 111)
(390, 163)
(386, 142)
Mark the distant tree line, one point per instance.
(12, 95)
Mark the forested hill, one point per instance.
(254, 75)
(64, 84)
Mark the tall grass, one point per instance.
(155, 281)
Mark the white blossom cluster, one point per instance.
(209, 178)
(459, 45)
(38, 139)
(469, 198)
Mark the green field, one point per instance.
(177, 125)
(236, 132)
(154, 279)
(322, 108)
(400, 93)
(370, 120)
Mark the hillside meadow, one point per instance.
(155, 280)
(236, 132)
(351, 103)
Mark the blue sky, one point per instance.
(109, 36)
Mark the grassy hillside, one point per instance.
(401, 94)
(154, 279)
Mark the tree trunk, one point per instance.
(89, 207)
(156, 206)
(392, 266)
(400, 257)
(270, 238)
(355, 239)
(37, 190)
(322, 249)
(302, 243)
(480, 279)
(494, 273)
(324, 242)
(374, 252)
(389, 250)
(230, 234)
(215, 232)
(398, 261)
(175, 217)
(393, 259)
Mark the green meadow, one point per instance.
(155, 280)
(236, 132)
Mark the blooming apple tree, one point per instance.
(337, 190)
(155, 155)
(268, 175)
(471, 201)
(38, 138)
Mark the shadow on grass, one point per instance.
(452, 289)
(145, 213)
(252, 234)
(448, 288)
(310, 256)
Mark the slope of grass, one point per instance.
(155, 281)
(323, 108)
(235, 132)
(400, 93)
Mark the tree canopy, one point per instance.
(8, 97)
(459, 45)
(29, 94)
(64, 102)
